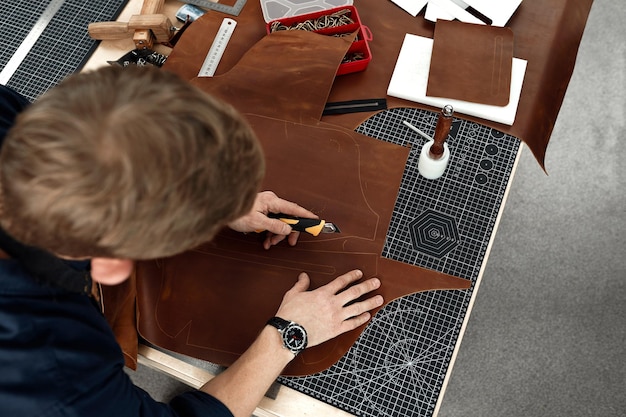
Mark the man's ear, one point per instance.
(111, 271)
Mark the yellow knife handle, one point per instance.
(300, 224)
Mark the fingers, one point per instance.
(276, 204)
(292, 239)
(272, 239)
(276, 227)
(302, 284)
(344, 280)
(355, 322)
(356, 291)
(355, 311)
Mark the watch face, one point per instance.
(295, 337)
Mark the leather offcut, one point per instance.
(471, 62)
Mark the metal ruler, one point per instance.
(28, 43)
(233, 10)
(218, 47)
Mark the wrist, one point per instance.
(275, 345)
(294, 336)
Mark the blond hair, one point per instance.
(127, 163)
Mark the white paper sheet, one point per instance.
(452, 8)
(499, 11)
(410, 79)
(413, 7)
(434, 12)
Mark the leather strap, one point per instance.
(280, 324)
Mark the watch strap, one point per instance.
(286, 329)
(280, 324)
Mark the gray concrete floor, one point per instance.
(547, 335)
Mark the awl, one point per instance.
(303, 224)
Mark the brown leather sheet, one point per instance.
(547, 35)
(211, 302)
(471, 62)
(179, 298)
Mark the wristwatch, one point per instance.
(294, 336)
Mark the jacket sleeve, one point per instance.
(188, 404)
(118, 396)
(197, 403)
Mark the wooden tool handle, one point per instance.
(109, 30)
(442, 130)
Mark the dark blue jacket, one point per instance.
(58, 356)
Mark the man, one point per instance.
(118, 165)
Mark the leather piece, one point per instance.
(547, 35)
(301, 92)
(471, 62)
(258, 69)
(118, 303)
(210, 303)
(232, 277)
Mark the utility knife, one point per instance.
(303, 224)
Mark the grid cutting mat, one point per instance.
(398, 365)
(61, 49)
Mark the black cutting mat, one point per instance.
(398, 365)
(62, 48)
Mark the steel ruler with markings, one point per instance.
(218, 47)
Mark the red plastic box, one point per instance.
(360, 45)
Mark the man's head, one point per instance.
(129, 163)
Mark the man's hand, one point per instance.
(330, 311)
(323, 312)
(277, 230)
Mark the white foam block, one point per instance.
(410, 79)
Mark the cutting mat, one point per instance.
(398, 366)
(61, 49)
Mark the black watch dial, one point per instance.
(295, 338)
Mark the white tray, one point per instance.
(275, 9)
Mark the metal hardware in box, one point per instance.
(338, 21)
